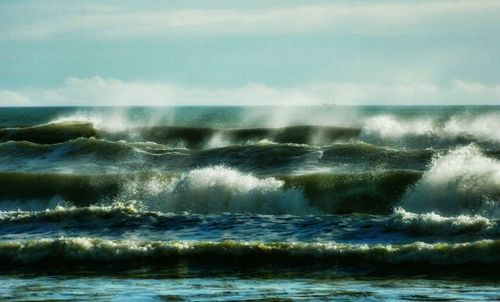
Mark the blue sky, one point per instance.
(249, 52)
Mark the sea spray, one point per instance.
(218, 189)
(462, 181)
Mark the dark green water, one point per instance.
(249, 203)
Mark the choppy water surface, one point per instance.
(235, 203)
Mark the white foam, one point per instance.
(485, 127)
(463, 181)
(217, 189)
(433, 223)
(111, 121)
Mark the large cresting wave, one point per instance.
(212, 189)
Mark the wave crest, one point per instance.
(432, 131)
(218, 189)
(463, 181)
(432, 223)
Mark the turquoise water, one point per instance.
(244, 289)
(250, 203)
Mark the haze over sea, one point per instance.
(232, 203)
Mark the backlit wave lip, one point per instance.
(461, 181)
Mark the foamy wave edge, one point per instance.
(93, 250)
(61, 212)
(433, 223)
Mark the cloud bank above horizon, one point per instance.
(249, 52)
(98, 91)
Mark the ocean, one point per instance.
(344, 203)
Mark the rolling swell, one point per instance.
(379, 130)
(132, 253)
(92, 155)
(190, 137)
(48, 133)
(218, 189)
(376, 156)
(80, 147)
(77, 189)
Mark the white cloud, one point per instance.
(10, 98)
(378, 17)
(476, 88)
(98, 91)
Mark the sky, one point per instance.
(259, 52)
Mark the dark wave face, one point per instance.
(189, 137)
(91, 155)
(372, 189)
(193, 191)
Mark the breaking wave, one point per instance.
(462, 181)
(435, 224)
(383, 129)
(218, 189)
(215, 189)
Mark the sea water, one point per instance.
(248, 203)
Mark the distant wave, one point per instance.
(174, 136)
(130, 253)
(48, 133)
(382, 129)
(430, 131)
